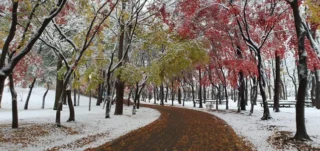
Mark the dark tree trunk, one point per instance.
(184, 95)
(253, 95)
(219, 93)
(100, 92)
(119, 97)
(1, 90)
(154, 94)
(218, 98)
(139, 94)
(261, 82)
(301, 133)
(204, 93)
(172, 93)
(15, 120)
(242, 92)
(167, 91)
(89, 100)
(75, 97)
(59, 85)
(108, 92)
(246, 92)
(179, 95)
(130, 96)
(317, 91)
(277, 85)
(78, 99)
(161, 95)
(71, 108)
(44, 96)
(119, 84)
(212, 93)
(200, 92)
(74, 92)
(29, 94)
(192, 90)
(136, 94)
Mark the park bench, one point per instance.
(286, 103)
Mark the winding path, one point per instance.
(179, 129)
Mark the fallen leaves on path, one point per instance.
(179, 129)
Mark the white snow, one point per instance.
(88, 123)
(257, 131)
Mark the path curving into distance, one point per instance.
(179, 129)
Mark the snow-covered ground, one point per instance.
(257, 131)
(91, 129)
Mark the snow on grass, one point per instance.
(258, 131)
(91, 129)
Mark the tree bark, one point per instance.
(99, 98)
(75, 97)
(129, 97)
(200, 92)
(161, 95)
(192, 90)
(242, 92)
(172, 93)
(277, 85)
(179, 95)
(89, 100)
(71, 108)
(44, 96)
(317, 91)
(59, 85)
(119, 97)
(119, 84)
(1, 90)
(29, 94)
(15, 123)
(301, 133)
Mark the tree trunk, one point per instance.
(44, 96)
(161, 95)
(136, 95)
(71, 108)
(204, 93)
(119, 97)
(167, 91)
(317, 90)
(74, 92)
(59, 85)
(246, 92)
(78, 99)
(253, 95)
(89, 100)
(1, 90)
(99, 98)
(29, 94)
(119, 84)
(139, 94)
(15, 121)
(154, 94)
(179, 95)
(200, 92)
(129, 97)
(277, 85)
(301, 133)
(192, 90)
(172, 93)
(184, 95)
(242, 91)
(75, 97)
